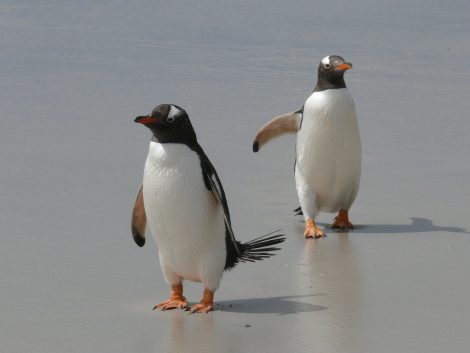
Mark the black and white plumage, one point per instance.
(328, 150)
(184, 203)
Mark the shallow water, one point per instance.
(75, 75)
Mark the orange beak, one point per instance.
(344, 67)
(146, 120)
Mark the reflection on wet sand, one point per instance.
(330, 266)
(195, 335)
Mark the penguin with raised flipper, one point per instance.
(183, 201)
(328, 151)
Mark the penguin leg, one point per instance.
(311, 230)
(308, 204)
(205, 305)
(176, 300)
(342, 220)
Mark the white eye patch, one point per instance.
(172, 113)
(326, 60)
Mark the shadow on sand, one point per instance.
(274, 305)
(418, 225)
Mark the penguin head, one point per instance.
(331, 71)
(169, 124)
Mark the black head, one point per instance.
(330, 73)
(169, 124)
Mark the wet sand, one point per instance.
(75, 76)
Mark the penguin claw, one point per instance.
(174, 303)
(205, 305)
(200, 308)
(312, 231)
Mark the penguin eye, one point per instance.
(327, 66)
(170, 119)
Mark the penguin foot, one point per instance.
(200, 308)
(311, 230)
(172, 303)
(342, 221)
(342, 225)
(205, 305)
(176, 301)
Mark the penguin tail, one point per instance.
(255, 250)
(260, 248)
(298, 211)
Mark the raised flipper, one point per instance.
(139, 219)
(287, 123)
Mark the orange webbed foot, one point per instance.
(176, 301)
(311, 230)
(172, 303)
(342, 221)
(200, 308)
(205, 305)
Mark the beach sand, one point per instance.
(75, 75)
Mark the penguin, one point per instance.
(183, 202)
(328, 149)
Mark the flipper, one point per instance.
(254, 250)
(213, 183)
(287, 123)
(139, 219)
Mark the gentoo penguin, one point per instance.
(183, 201)
(328, 151)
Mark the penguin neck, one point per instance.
(329, 83)
(168, 136)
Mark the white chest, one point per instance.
(174, 190)
(329, 125)
(329, 146)
(183, 216)
(331, 110)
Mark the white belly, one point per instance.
(329, 149)
(184, 218)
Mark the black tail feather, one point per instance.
(257, 249)
(261, 247)
(298, 211)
